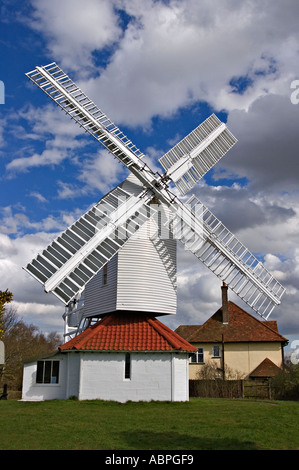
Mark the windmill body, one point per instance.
(122, 235)
(141, 277)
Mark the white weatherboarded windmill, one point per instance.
(120, 256)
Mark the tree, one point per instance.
(22, 342)
(210, 382)
(285, 384)
(5, 298)
(211, 371)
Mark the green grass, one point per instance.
(200, 424)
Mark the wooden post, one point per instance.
(4, 394)
(2, 353)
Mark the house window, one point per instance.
(128, 366)
(47, 372)
(105, 274)
(198, 357)
(216, 350)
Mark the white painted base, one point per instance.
(158, 376)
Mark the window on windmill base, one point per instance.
(128, 366)
(198, 357)
(47, 372)
(216, 350)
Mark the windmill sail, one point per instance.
(211, 242)
(84, 248)
(189, 160)
(78, 254)
(64, 92)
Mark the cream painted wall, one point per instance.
(242, 358)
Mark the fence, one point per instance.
(257, 389)
(230, 388)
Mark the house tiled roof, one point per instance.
(242, 327)
(128, 332)
(266, 368)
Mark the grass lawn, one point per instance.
(200, 424)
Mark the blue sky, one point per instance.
(157, 69)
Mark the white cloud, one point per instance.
(171, 55)
(177, 53)
(38, 196)
(47, 157)
(267, 223)
(266, 152)
(32, 303)
(2, 129)
(14, 221)
(48, 317)
(53, 136)
(101, 172)
(74, 30)
(174, 53)
(48, 120)
(61, 139)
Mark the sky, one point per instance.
(157, 69)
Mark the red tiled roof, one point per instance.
(266, 368)
(128, 332)
(242, 327)
(272, 324)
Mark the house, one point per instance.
(121, 357)
(235, 343)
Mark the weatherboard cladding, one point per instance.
(98, 298)
(129, 332)
(141, 276)
(138, 279)
(144, 281)
(146, 272)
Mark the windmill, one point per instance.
(75, 258)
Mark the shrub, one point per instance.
(285, 385)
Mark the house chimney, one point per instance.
(224, 289)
